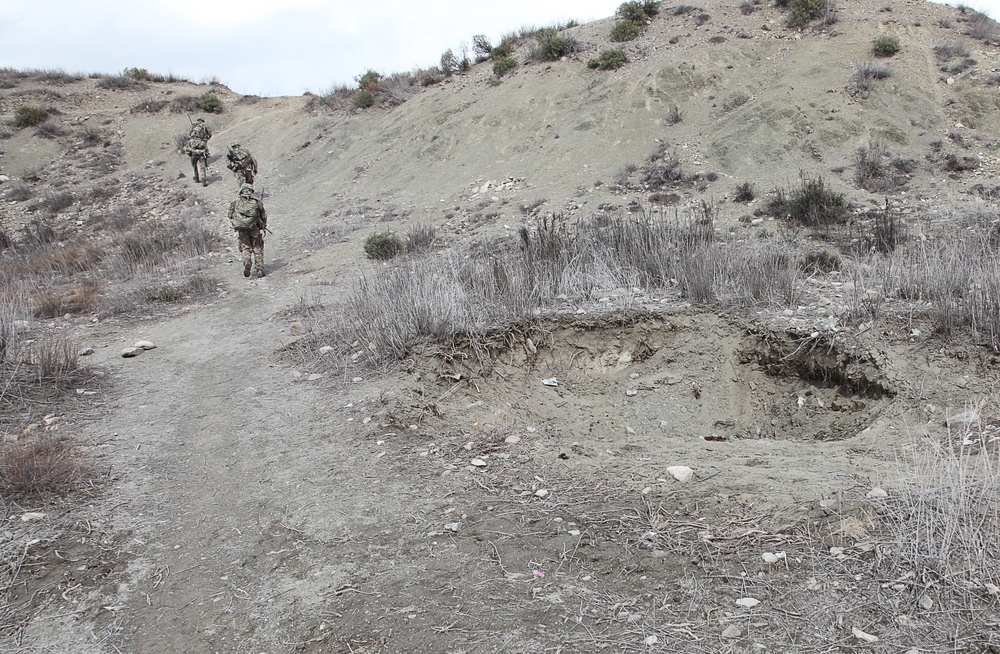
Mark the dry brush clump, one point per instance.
(501, 284)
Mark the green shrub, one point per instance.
(210, 103)
(503, 65)
(551, 46)
(610, 59)
(745, 192)
(812, 204)
(505, 49)
(369, 81)
(383, 246)
(482, 47)
(364, 99)
(885, 45)
(624, 30)
(803, 12)
(632, 11)
(29, 115)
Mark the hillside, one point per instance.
(619, 392)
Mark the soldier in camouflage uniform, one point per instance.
(197, 148)
(248, 218)
(242, 163)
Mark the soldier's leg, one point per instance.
(258, 251)
(246, 250)
(248, 175)
(194, 164)
(204, 171)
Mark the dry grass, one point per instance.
(40, 466)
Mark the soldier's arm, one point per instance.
(262, 214)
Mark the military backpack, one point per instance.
(245, 213)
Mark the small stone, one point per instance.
(146, 345)
(649, 641)
(631, 392)
(747, 602)
(772, 557)
(32, 516)
(512, 440)
(925, 602)
(453, 526)
(297, 329)
(552, 381)
(326, 349)
(861, 635)
(629, 431)
(131, 352)
(86, 352)
(681, 473)
(541, 492)
(315, 377)
(732, 632)
(876, 494)
(573, 532)
(477, 462)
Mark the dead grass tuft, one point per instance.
(40, 466)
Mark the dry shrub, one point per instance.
(40, 466)
(53, 360)
(872, 170)
(82, 297)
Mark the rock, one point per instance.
(146, 345)
(649, 641)
(732, 632)
(4, 179)
(297, 329)
(314, 377)
(681, 473)
(477, 462)
(876, 494)
(453, 526)
(130, 352)
(772, 557)
(573, 532)
(86, 352)
(860, 635)
(542, 493)
(747, 602)
(326, 349)
(551, 381)
(512, 440)
(631, 392)
(925, 602)
(32, 516)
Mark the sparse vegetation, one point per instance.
(120, 83)
(550, 46)
(803, 12)
(674, 115)
(148, 106)
(29, 115)
(886, 45)
(812, 203)
(735, 101)
(503, 65)
(745, 192)
(625, 30)
(383, 246)
(609, 59)
(872, 170)
(862, 82)
(210, 103)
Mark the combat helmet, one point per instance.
(199, 119)
(234, 144)
(246, 189)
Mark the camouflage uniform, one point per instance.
(251, 238)
(197, 149)
(242, 163)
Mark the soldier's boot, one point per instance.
(246, 268)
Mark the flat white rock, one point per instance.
(681, 473)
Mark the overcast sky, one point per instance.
(271, 47)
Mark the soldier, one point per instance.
(242, 163)
(247, 215)
(197, 148)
